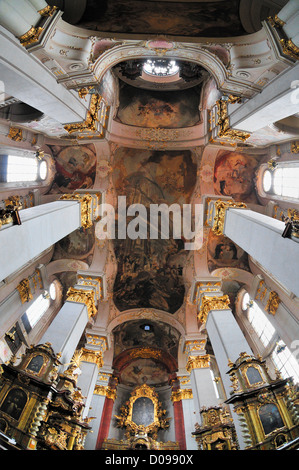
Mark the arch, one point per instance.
(191, 53)
(145, 314)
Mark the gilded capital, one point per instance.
(198, 362)
(181, 394)
(95, 357)
(105, 391)
(212, 303)
(86, 207)
(220, 212)
(84, 297)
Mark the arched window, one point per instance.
(25, 169)
(282, 181)
(38, 308)
(285, 361)
(283, 358)
(260, 323)
(16, 168)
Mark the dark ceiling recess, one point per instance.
(20, 112)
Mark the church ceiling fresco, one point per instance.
(222, 252)
(75, 168)
(159, 109)
(145, 371)
(212, 19)
(234, 175)
(134, 334)
(150, 271)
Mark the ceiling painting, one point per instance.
(193, 19)
(222, 252)
(75, 168)
(234, 175)
(146, 333)
(159, 109)
(150, 271)
(145, 371)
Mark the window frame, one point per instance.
(271, 192)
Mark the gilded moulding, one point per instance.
(273, 303)
(198, 362)
(31, 36)
(90, 123)
(86, 209)
(146, 353)
(83, 297)
(25, 291)
(212, 303)
(48, 11)
(220, 212)
(289, 48)
(224, 123)
(181, 394)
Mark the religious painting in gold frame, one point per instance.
(142, 412)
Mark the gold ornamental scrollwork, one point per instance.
(198, 362)
(212, 303)
(290, 49)
(146, 353)
(273, 303)
(86, 209)
(220, 211)
(94, 357)
(295, 147)
(31, 36)
(15, 134)
(224, 123)
(25, 291)
(48, 11)
(83, 297)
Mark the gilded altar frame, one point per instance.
(147, 392)
(125, 419)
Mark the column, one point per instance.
(80, 308)
(109, 394)
(41, 227)
(261, 237)
(179, 421)
(91, 363)
(227, 339)
(30, 79)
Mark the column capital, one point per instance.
(218, 210)
(181, 394)
(82, 296)
(95, 280)
(198, 362)
(95, 357)
(202, 285)
(87, 202)
(208, 303)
